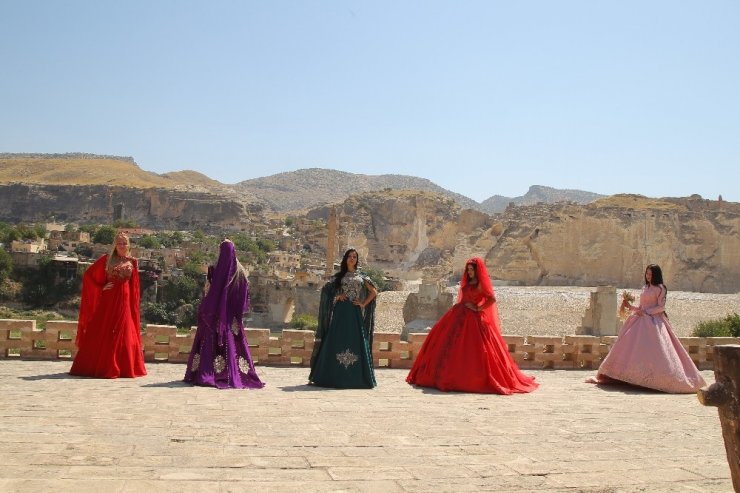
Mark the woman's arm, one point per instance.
(660, 307)
(371, 294)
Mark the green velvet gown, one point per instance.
(342, 356)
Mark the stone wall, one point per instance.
(20, 339)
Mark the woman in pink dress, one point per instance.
(647, 352)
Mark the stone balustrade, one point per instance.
(162, 343)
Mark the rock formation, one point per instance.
(152, 207)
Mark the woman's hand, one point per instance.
(107, 285)
(340, 297)
(471, 306)
(359, 303)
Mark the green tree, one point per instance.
(149, 241)
(180, 291)
(193, 270)
(83, 251)
(125, 223)
(41, 286)
(266, 245)
(6, 264)
(378, 277)
(105, 235)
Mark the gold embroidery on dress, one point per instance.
(243, 365)
(219, 364)
(196, 362)
(346, 358)
(235, 327)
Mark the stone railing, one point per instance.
(162, 343)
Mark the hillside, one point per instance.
(78, 169)
(307, 188)
(292, 191)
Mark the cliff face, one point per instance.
(154, 208)
(697, 247)
(611, 241)
(406, 231)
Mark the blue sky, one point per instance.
(481, 97)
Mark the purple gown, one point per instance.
(220, 355)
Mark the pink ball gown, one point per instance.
(647, 352)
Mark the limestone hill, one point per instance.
(307, 188)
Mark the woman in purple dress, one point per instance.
(220, 355)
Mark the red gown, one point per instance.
(465, 352)
(108, 333)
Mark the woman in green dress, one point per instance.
(342, 356)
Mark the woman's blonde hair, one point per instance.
(239, 273)
(114, 251)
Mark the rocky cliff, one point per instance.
(151, 207)
(696, 241)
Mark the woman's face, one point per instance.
(470, 270)
(352, 260)
(121, 247)
(649, 275)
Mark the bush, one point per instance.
(105, 235)
(158, 313)
(304, 321)
(6, 264)
(377, 275)
(728, 326)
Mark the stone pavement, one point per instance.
(60, 433)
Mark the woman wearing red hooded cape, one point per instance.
(108, 330)
(464, 351)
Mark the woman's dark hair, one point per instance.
(657, 275)
(343, 268)
(657, 278)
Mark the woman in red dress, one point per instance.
(108, 333)
(464, 351)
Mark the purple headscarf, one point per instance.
(228, 297)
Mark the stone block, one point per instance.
(13, 324)
(382, 346)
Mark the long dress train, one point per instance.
(464, 351)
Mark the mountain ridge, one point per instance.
(285, 192)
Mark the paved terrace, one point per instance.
(59, 433)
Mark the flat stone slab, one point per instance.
(61, 433)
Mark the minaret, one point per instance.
(331, 239)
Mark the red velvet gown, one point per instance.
(465, 352)
(108, 334)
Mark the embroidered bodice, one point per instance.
(121, 271)
(352, 284)
(652, 299)
(471, 294)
